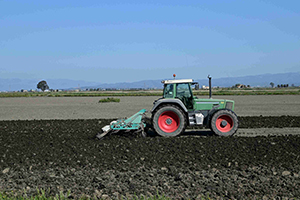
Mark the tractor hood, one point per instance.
(207, 104)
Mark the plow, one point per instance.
(177, 109)
(133, 123)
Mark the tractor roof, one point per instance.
(178, 81)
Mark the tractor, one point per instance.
(179, 108)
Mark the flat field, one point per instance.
(49, 143)
(29, 108)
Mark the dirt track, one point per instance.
(64, 154)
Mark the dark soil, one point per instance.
(61, 155)
(269, 122)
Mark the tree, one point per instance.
(272, 84)
(42, 85)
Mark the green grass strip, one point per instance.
(109, 99)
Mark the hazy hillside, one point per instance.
(258, 80)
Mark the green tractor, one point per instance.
(179, 108)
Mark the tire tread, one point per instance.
(226, 112)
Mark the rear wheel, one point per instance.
(224, 123)
(169, 121)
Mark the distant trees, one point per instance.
(42, 85)
(283, 85)
(280, 85)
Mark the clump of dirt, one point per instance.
(64, 154)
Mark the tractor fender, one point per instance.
(177, 102)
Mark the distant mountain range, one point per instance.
(263, 80)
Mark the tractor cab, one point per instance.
(180, 89)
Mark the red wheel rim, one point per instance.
(168, 121)
(222, 120)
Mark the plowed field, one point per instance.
(63, 154)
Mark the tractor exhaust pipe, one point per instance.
(209, 82)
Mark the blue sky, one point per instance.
(111, 41)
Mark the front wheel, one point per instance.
(169, 121)
(224, 123)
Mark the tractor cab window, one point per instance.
(168, 91)
(184, 94)
(183, 89)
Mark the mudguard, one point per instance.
(162, 101)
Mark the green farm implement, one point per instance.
(179, 108)
(132, 123)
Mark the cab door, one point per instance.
(168, 91)
(184, 93)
